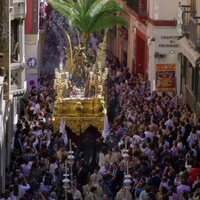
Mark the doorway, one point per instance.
(140, 55)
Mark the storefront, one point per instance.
(138, 48)
(141, 53)
(122, 41)
(123, 31)
(164, 65)
(190, 75)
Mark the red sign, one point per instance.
(32, 17)
(165, 77)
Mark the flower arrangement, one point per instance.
(79, 107)
(124, 33)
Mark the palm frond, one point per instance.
(64, 8)
(108, 22)
(90, 15)
(109, 6)
(86, 4)
(97, 6)
(104, 13)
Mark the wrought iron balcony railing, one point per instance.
(139, 6)
(185, 12)
(194, 34)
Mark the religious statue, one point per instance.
(69, 64)
(61, 83)
(90, 87)
(79, 85)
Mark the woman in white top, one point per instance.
(102, 155)
(53, 165)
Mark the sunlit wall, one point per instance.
(164, 10)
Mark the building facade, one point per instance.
(152, 44)
(188, 25)
(34, 42)
(12, 81)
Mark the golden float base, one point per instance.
(79, 113)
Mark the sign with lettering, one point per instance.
(165, 77)
(169, 41)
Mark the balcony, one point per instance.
(18, 9)
(185, 12)
(138, 6)
(194, 35)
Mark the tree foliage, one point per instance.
(90, 16)
(56, 40)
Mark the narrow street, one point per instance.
(108, 112)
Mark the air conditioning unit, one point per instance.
(159, 55)
(18, 10)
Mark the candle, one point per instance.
(66, 166)
(99, 65)
(70, 145)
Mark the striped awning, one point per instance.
(189, 51)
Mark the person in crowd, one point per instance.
(123, 194)
(159, 134)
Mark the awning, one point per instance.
(187, 49)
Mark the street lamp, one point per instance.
(127, 181)
(70, 160)
(125, 155)
(66, 184)
(127, 176)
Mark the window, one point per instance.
(193, 79)
(183, 65)
(189, 76)
(198, 90)
(15, 51)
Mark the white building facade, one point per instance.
(189, 30)
(15, 86)
(34, 40)
(153, 42)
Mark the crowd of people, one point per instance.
(162, 134)
(159, 133)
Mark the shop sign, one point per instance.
(169, 42)
(165, 77)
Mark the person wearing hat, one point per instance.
(92, 195)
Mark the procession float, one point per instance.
(80, 82)
(80, 89)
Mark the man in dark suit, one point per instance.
(117, 178)
(81, 174)
(112, 105)
(188, 129)
(18, 144)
